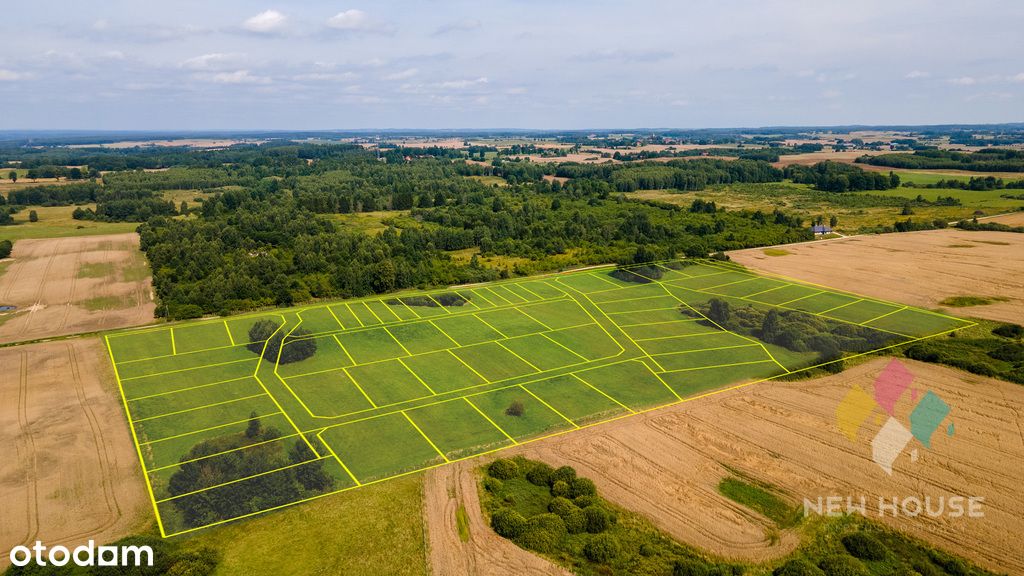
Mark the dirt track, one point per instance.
(54, 296)
(487, 553)
(667, 464)
(70, 471)
(917, 268)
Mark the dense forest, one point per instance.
(985, 160)
(837, 177)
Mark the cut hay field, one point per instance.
(921, 268)
(404, 383)
(65, 286)
(69, 471)
(667, 466)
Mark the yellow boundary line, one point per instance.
(169, 392)
(200, 431)
(601, 392)
(221, 453)
(135, 440)
(866, 322)
(575, 427)
(336, 457)
(227, 329)
(550, 407)
(966, 324)
(493, 423)
(175, 413)
(333, 315)
(425, 437)
(358, 387)
(236, 481)
(190, 369)
(417, 376)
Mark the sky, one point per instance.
(532, 64)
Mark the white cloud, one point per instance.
(831, 93)
(916, 74)
(353, 20)
(265, 22)
(213, 61)
(463, 84)
(6, 75)
(237, 77)
(460, 26)
(963, 81)
(1017, 78)
(403, 75)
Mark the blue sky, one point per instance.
(234, 64)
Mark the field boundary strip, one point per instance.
(604, 325)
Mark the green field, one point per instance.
(402, 383)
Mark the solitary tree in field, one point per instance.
(254, 428)
(33, 216)
(13, 175)
(516, 409)
(833, 221)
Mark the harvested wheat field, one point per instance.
(1012, 219)
(70, 471)
(667, 465)
(72, 285)
(916, 268)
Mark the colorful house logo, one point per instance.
(926, 416)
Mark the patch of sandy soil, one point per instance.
(667, 464)
(72, 285)
(917, 268)
(485, 553)
(70, 471)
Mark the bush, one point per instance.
(864, 546)
(503, 469)
(561, 506)
(842, 565)
(560, 488)
(540, 474)
(542, 533)
(690, 568)
(582, 487)
(602, 548)
(1011, 352)
(5, 248)
(516, 408)
(1009, 331)
(565, 474)
(797, 567)
(583, 501)
(597, 519)
(575, 521)
(492, 485)
(184, 311)
(508, 523)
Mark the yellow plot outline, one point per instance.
(522, 385)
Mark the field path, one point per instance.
(485, 553)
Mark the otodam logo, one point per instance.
(927, 415)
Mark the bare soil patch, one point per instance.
(55, 287)
(917, 268)
(846, 157)
(667, 465)
(70, 471)
(485, 553)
